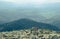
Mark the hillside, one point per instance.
(25, 24)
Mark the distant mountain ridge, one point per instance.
(25, 24)
(10, 11)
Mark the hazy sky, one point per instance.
(31, 1)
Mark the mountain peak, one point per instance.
(25, 24)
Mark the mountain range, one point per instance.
(43, 14)
(25, 24)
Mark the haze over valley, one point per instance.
(44, 12)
